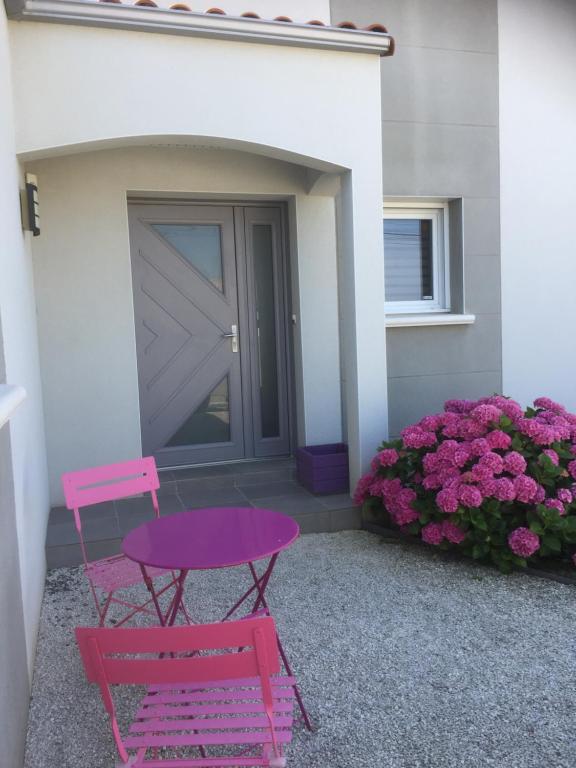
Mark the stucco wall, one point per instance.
(23, 492)
(538, 167)
(84, 291)
(440, 140)
(315, 108)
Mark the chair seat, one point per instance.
(226, 713)
(118, 572)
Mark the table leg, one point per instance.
(150, 587)
(172, 612)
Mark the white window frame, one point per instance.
(437, 213)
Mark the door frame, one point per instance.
(281, 204)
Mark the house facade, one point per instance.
(261, 233)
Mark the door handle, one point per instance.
(233, 335)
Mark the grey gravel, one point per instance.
(405, 660)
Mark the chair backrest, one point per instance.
(153, 655)
(112, 481)
(107, 483)
(150, 655)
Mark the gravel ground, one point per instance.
(405, 660)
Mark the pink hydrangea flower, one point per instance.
(564, 495)
(492, 461)
(526, 488)
(480, 473)
(447, 500)
(470, 496)
(431, 423)
(480, 446)
(388, 457)
(523, 542)
(572, 469)
(555, 504)
(432, 482)
(433, 533)
(487, 487)
(461, 456)
(452, 532)
(405, 516)
(459, 406)
(498, 440)
(431, 462)
(514, 463)
(549, 405)
(504, 490)
(416, 437)
(486, 414)
(540, 495)
(552, 455)
(363, 488)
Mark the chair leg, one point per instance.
(288, 668)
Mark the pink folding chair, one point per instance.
(206, 703)
(108, 575)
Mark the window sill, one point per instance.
(428, 318)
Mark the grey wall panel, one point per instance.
(440, 86)
(450, 349)
(440, 139)
(415, 396)
(465, 25)
(440, 160)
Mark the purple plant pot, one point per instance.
(323, 468)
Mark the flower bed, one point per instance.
(484, 477)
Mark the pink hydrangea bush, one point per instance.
(484, 477)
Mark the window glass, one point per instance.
(409, 259)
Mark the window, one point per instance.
(416, 257)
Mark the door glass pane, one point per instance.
(200, 245)
(266, 325)
(210, 422)
(408, 254)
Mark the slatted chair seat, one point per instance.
(112, 573)
(209, 720)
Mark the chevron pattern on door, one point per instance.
(184, 313)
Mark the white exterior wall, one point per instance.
(20, 352)
(538, 198)
(84, 291)
(318, 109)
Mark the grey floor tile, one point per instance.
(271, 476)
(63, 556)
(92, 530)
(292, 504)
(336, 501)
(266, 465)
(217, 470)
(269, 490)
(98, 549)
(227, 496)
(316, 522)
(167, 488)
(345, 519)
(203, 485)
(170, 505)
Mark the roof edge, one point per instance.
(223, 27)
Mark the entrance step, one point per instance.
(268, 484)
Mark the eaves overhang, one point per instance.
(146, 18)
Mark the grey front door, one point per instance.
(210, 331)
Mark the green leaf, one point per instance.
(480, 550)
(537, 528)
(478, 520)
(552, 543)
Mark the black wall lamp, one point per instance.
(30, 205)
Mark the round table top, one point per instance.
(217, 537)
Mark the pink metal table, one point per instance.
(217, 537)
